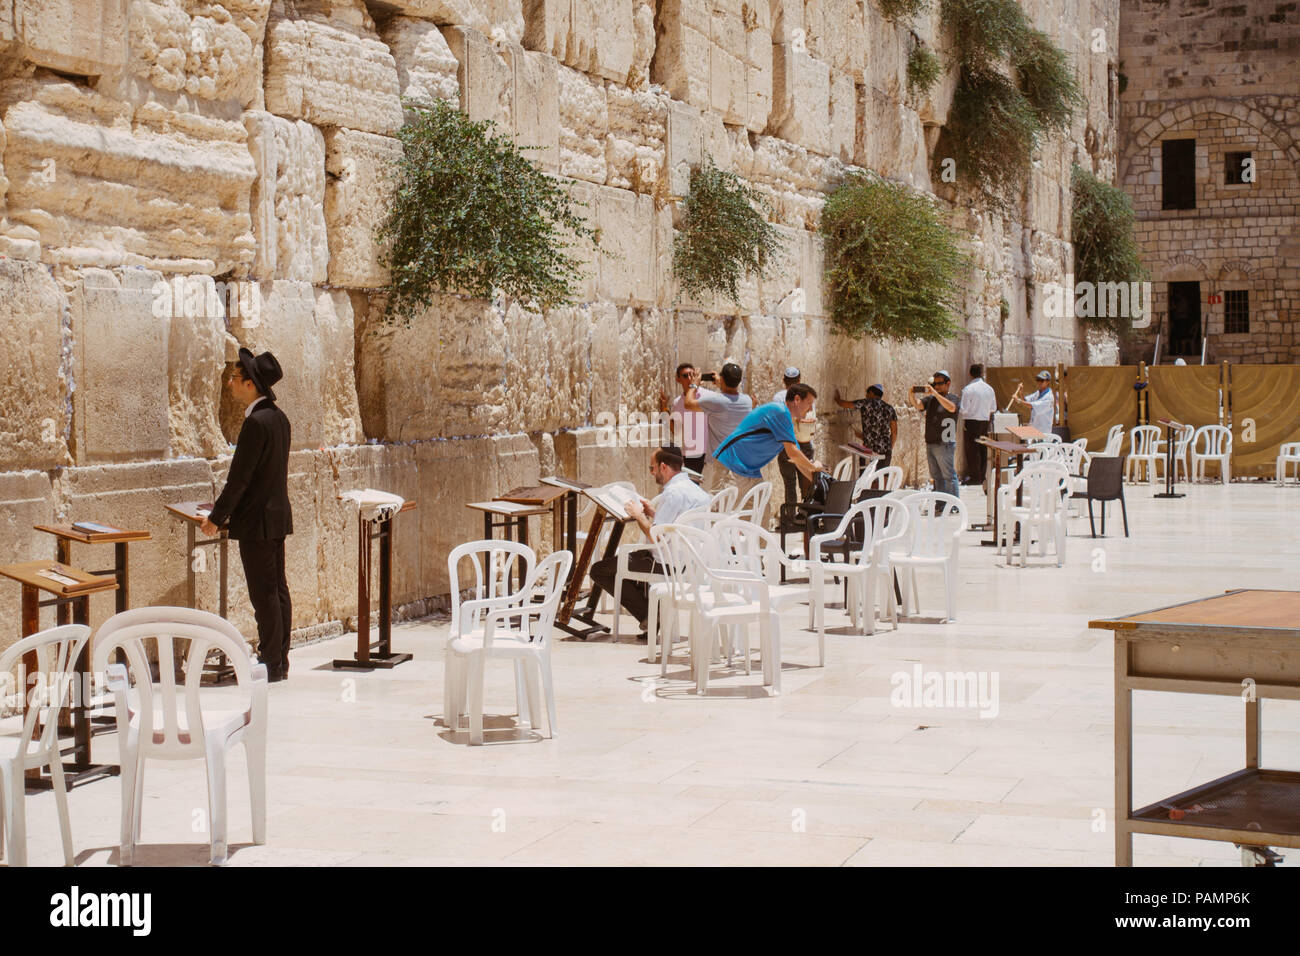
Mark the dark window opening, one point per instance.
(1236, 311)
(1184, 318)
(1238, 169)
(1178, 180)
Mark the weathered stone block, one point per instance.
(427, 70)
(634, 147)
(288, 198)
(801, 97)
(103, 183)
(682, 61)
(196, 353)
(84, 37)
(536, 101)
(486, 80)
(26, 499)
(584, 123)
(33, 386)
(330, 76)
(360, 168)
(727, 85)
(117, 408)
(844, 111)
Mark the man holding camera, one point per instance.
(725, 407)
(940, 410)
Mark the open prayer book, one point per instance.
(613, 498)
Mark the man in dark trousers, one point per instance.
(255, 501)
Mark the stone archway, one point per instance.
(1177, 115)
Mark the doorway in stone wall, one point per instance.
(1185, 320)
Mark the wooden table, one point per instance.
(77, 598)
(380, 653)
(1000, 450)
(861, 457)
(1245, 644)
(66, 534)
(189, 512)
(1027, 433)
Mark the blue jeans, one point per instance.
(942, 457)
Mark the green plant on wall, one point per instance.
(723, 236)
(902, 11)
(893, 264)
(923, 69)
(471, 214)
(996, 124)
(1105, 248)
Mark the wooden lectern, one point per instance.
(999, 453)
(606, 508)
(193, 513)
(380, 653)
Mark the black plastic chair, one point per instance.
(1105, 483)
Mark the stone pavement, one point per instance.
(830, 772)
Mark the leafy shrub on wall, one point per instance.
(893, 264)
(1105, 248)
(471, 214)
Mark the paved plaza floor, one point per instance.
(831, 772)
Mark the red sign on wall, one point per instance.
(1215, 299)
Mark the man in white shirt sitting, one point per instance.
(1042, 404)
(680, 495)
(978, 403)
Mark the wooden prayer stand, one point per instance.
(1027, 433)
(511, 517)
(587, 616)
(1211, 646)
(861, 457)
(188, 511)
(380, 653)
(569, 507)
(999, 450)
(1169, 492)
(77, 597)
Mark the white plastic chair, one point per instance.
(486, 631)
(758, 551)
(718, 599)
(158, 720)
(1041, 513)
(1212, 443)
(753, 506)
(1288, 456)
(843, 470)
(1144, 451)
(1081, 443)
(883, 521)
(932, 541)
(1182, 446)
(886, 479)
(1114, 442)
(495, 564)
(724, 501)
(56, 650)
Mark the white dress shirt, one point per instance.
(253, 404)
(679, 496)
(1042, 410)
(978, 403)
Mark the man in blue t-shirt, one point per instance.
(760, 437)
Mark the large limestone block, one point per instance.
(643, 49)
(441, 376)
(801, 88)
(390, 468)
(120, 363)
(331, 76)
(758, 79)
(536, 101)
(588, 454)
(104, 183)
(779, 290)
(683, 56)
(890, 139)
(301, 551)
(606, 355)
(288, 198)
(134, 496)
(311, 334)
(584, 123)
(683, 146)
(501, 20)
(83, 37)
(547, 372)
(196, 353)
(206, 53)
(26, 499)
(646, 338)
(632, 236)
(485, 78)
(33, 385)
(426, 68)
(361, 169)
(844, 114)
(727, 85)
(594, 36)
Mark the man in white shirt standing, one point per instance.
(680, 495)
(978, 403)
(1042, 404)
(690, 429)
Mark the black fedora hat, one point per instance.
(262, 370)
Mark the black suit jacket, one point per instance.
(256, 496)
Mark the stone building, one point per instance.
(1210, 124)
(181, 177)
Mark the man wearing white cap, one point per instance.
(803, 432)
(1042, 404)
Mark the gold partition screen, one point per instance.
(1185, 393)
(1097, 397)
(1265, 401)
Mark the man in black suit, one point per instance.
(255, 501)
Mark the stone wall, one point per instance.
(181, 178)
(1227, 76)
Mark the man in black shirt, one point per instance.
(940, 408)
(879, 422)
